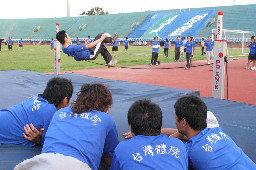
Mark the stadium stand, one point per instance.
(134, 25)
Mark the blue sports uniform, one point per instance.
(87, 136)
(90, 41)
(155, 46)
(79, 52)
(252, 48)
(10, 42)
(126, 42)
(116, 43)
(150, 152)
(20, 42)
(213, 149)
(184, 42)
(166, 44)
(178, 44)
(77, 42)
(52, 43)
(194, 45)
(35, 110)
(209, 45)
(189, 46)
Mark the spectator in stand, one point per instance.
(177, 45)
(126, 44)
(77, 41)
(155, 51)
(252, 54)
(21, 44)
(167, 45)
(52, 44)
(209, 49)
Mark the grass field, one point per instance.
(41, 59)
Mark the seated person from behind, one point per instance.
(89, 51)
(36, 111)
(81, 134)
(148, 149)
(208, 148)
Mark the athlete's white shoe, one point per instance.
(112, 63)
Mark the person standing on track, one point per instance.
(126, 44)
(252, 54)
(167, 45)
(189, 52)
(52, 44)
(209, 49)
(202, 46)
(155, 51)
(177, 45)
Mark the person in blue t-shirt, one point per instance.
(194, 50)
(208, 148)
(21, 44)
(183, 49)
(155, 51)
(189, 52)
(85, 132)
(10, 42)
(89, 51)
(52, 44)
(148, 149)
(77, 41)
(252, 54)
(209, 49)
(115, 46)
(126, 44)
(36, 111)
(167, 45)
(177, 45)
(89, 39)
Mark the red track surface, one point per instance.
(242, 82)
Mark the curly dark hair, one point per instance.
(94, 96)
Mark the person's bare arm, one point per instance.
(32, 134)
(128, 135)
(96, 42)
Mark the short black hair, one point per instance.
(145, 118)
(202, 38)
(193, 110)
(155, 37)
(89, 36)
(183, 38)
(77, 37)
(166, 39)
(178, 37)
(252, 37)
(57, 89)
(127, 38)
(60, 36)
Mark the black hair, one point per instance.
(166, 39)
(183, 38)
(52, 38)
(89, 36)
(57, 89)
(155, 37)
(60, 36)
(178, 37)
(252, 37)
(77, 37)
(145, 118)
(193, 110)
(127, 38)
(202, 38)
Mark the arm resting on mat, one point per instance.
(32, 134)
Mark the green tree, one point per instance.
(95, 11)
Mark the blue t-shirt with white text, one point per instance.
(155, 46)
(79, 52)
(87, 136)
(35, 110)
(150, 152)
(213, 149)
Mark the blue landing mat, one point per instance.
(237, 119)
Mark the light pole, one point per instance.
(68, 8)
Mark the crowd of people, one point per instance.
(83, 135)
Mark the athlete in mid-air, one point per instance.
(89, 51)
